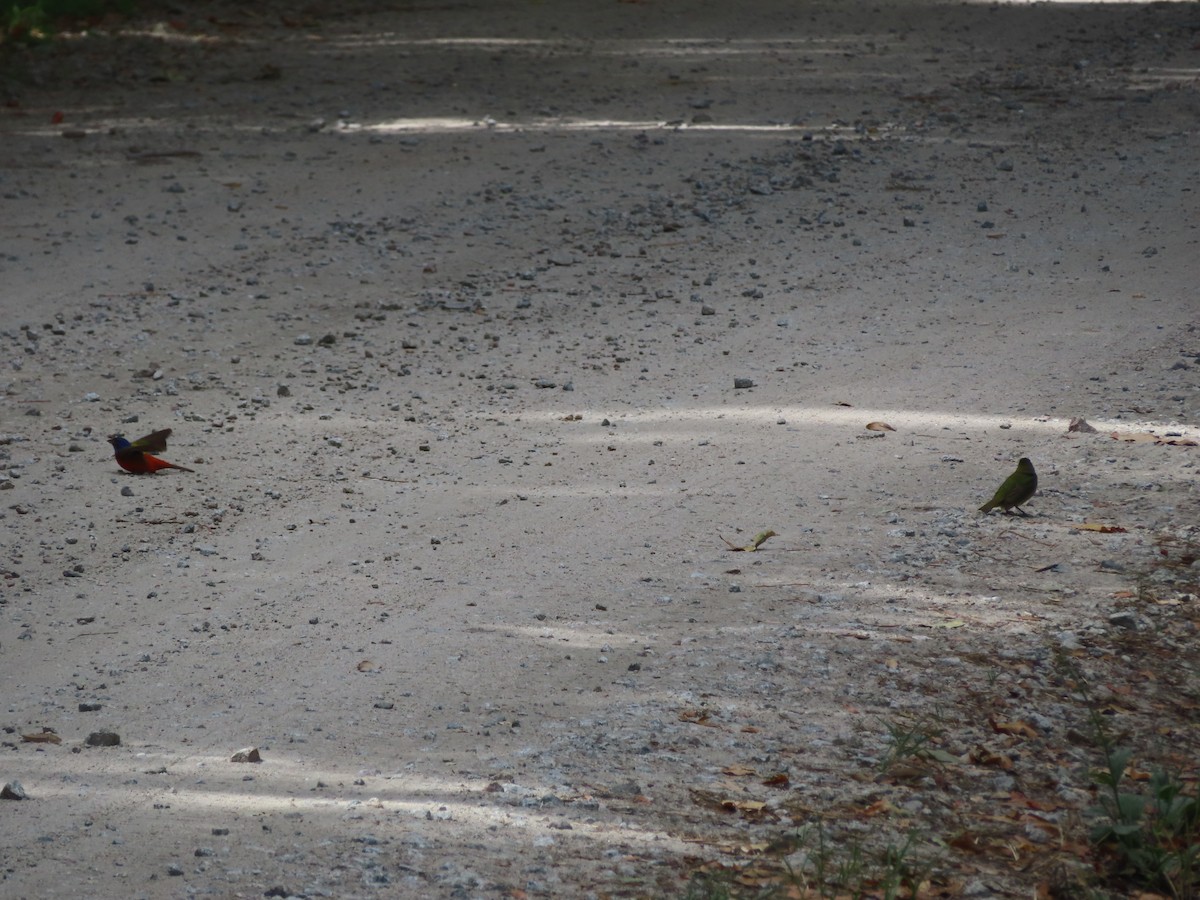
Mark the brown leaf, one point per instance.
(879, 426)
(880, 807)
(982, 756)
(778, 780)
(744, 806)
(1102, 529)
(697, 717)
(738, 770)
(1018, 728)
(965, 840)
(45, 736)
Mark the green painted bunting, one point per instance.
(1017, 489)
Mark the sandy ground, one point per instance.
(446, 304)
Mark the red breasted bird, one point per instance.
(1016, 490)
(134, 456)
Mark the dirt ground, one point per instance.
(487, 328)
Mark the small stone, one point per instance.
(174, 870)
(13, 791)
(741, 384)
(103, 739)
(1124, 619)
(1068, 640)
(303, 340)
(247, 755)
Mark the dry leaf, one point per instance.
(879, 426)
(744, 806)
(778, 780)
(1016, 727)
(46, 736)
(738, 770)
(880, 807)
(942, 756)
(1096, 526)
(982, 756)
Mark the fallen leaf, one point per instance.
(982, 756)
(779, 780)
(942, 756)
(879, 426)
(1102, 529)
(45, 736)
(1016, 727)
(738, 770)
(744, 806)
(965, 840)
(880, 807)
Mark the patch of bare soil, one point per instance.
(491, 331)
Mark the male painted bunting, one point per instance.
(134, 456)
(1017, 489)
